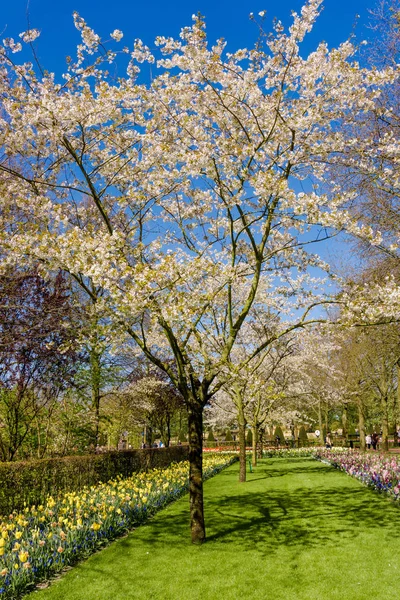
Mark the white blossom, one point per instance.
(117, 35)
(30, 35)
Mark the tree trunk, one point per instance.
(254, 432)
(397, 403)
(385, 424)
(327, 421)
(344, 421)
(195, 425)
(95, 367)
(168, 440)
(242, 449)
(361, 424)
(321, 428)
(260, 443)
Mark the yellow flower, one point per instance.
(2, 550)
(2, 542)
(16, 547)
(4, 572)
(96, 526)
(16, 566)
(18, 535)
(4, 534)
(23, 556)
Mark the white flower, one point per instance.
(29, 35)
(262, 13)
(10, 43)
(117, 35)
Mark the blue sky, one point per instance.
(225, 18)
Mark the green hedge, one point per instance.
(303, 437)
(279, 432)
(30, 482)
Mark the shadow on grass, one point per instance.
(317, 506)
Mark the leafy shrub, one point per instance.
(279, 432)
(228, 437)
(249, 438)
(30, 482)
(210, 436)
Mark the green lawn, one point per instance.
(298, 529)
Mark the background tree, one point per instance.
(155, 404)
(37, 356)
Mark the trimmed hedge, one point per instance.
(303, 437)
(279, 432)
(29, 482)
(210, 437)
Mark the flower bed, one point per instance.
(380, 472)
(42, 540)
(221, 450)
(289, 452)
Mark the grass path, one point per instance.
(297, 530)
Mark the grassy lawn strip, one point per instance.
(298, 529)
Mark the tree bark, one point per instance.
(260, 443)
(168, 440)
(254, 432)
(95, 366)
(385, 423)
(242, 449)
(320, 425)
(397, 409)
(361, 424)
(344, 420)
(195, 425)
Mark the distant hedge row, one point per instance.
(29, 482)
